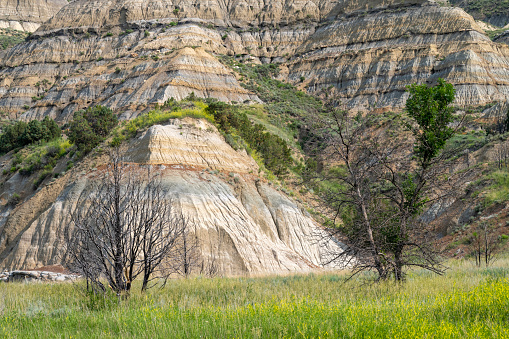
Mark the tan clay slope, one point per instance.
(129, 54)
(239, 13)
(27, 15)
(247, 224)
(370, 59)
(200, 146)
(128, 83)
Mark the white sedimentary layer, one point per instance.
(242, 221)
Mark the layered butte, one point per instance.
(129, 55)
(27, 15)
(366, 58)
(246, 224)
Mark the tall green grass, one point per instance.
(11, 37)
(158, 116)
(498, 192)
(465, 303)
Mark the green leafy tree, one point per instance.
(277, 156)
(9, 139)
(90, 127)
(381, 182)
(430, 109)
(21, 134)
(34, 132)
(52, 128)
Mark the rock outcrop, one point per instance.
(128, 83)
(27, 15)
(368, 56)
(35, 276)
(245, 223)
(107, 14)
(132, 54)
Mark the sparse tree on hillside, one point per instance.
(485, 244)
(88, 128)
(500, 126)
(376, 183)
(187, 255)
(502, 154)
(125, 228)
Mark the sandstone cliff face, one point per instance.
(27, 15)
(131, 54)
(244, 222)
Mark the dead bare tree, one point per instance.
(187, 257)
(376, 181)
(502, 155)
(484, 243)
(210, 266)
(123, 228)
(500, 125)
(348, 194)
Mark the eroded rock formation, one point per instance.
(27, 15)
(369, 56)
(241, 220)
(131, 54)
(36, 276)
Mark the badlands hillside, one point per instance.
(280, 59)
(242, 222)
(129, 55)
(27, 15)
(494, 12)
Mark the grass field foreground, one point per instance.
(465, 303)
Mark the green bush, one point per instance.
(483, 9)
(288, 109)
(195, 110)
(21, 134)
(274, 150)
(11, 37)
(498, 192)
(32, 164)
(14, 199)
(90, 127)
(45, 174)
(10, 138)
(44, 156)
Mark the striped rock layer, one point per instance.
(242, 222)
(27, 15)
(129, 55)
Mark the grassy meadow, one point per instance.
(465, 303)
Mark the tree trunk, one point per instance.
(398, 266)
(145, 282)
(378, 264)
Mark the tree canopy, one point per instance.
(21, 134)
(430, 109)
(375, 182)
(91, 126)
